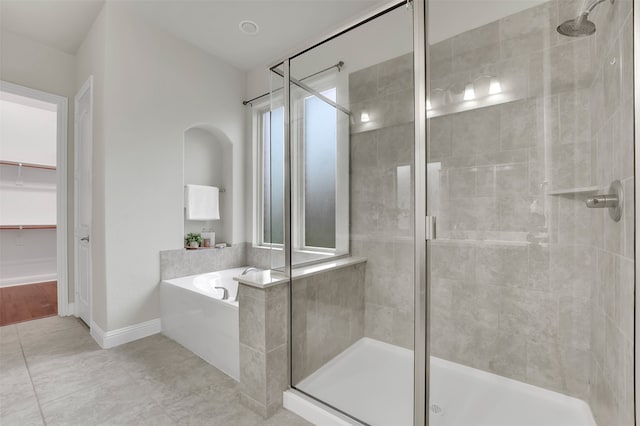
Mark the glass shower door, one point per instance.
(531, 290)
(352, 236)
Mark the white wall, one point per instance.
(28, 256)
(28, 130)
(154, 88)
(27, 196)
(34, 65)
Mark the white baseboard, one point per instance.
(28, 279)
(110, 339)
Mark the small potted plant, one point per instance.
(193, 240)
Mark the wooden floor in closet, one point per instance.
(26, 302)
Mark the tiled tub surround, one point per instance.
(528, 285)
(381, 196)
(264, 352)
(324, 301)
(264, 314)
(182, 262)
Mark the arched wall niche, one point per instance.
(208, 160)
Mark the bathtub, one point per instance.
(194, 315)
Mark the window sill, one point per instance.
(270, 278)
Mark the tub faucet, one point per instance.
(225, 292)
(246, 271)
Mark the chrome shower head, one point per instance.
(580, 26)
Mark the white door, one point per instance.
(82, 197)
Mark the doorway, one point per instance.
(33, 237)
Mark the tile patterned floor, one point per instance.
(52, 372)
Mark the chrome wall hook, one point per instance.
(614, 201)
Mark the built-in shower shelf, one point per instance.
(569, 191)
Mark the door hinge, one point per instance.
(430, 227)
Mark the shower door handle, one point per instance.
(430, 227)
(603, 201)
(85, 238)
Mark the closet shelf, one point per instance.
(23, 227)
(30, 165)
(569, 191)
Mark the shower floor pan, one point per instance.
(373, 381)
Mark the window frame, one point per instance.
(321, 84)
(259, 111)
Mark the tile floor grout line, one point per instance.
(200, 397)
(26, 364)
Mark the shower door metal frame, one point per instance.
(421, 271)
(421, 245)
(636, 115)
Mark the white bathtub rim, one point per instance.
(229, 303)
(188, 283)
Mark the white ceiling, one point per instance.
(62, 24)
(212, 25)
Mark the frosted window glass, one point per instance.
(320, 171)
(273, 166)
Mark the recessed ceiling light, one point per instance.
(249, 27)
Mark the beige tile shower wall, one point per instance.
(327, 317)
(612, 316)
(526, 284)
(504, 298)
(381, 179)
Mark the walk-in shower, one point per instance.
(448, 165)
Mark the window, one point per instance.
(271, 176)
(319, 175)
